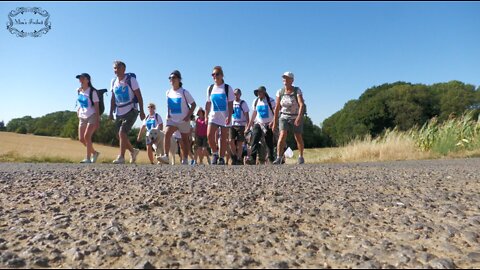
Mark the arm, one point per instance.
(247, 117)
(276, 113)
(230, 112)
(140, 132)
(112, 106)
(138, 94)
(190, 112)
(160, 127)
(300, 110)
(207, 110)
(250, 124)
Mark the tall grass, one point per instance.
(452, 136)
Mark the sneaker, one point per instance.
(164, 159)
(277, 161)
(221, 161)
(119, 160)
(214, 160)
(185, 162)
(95, 156)
(193, 162)
(234, 160)
(134, 155)
(86, 161)
(301, 160)
(250, 161)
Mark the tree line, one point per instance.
(400, 105)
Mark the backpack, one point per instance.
(128, 77)
(268, 101)
(295, 89)
(211, 88)
(101, 104)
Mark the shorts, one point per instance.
(92, 120)
(237, 133)
(124, 123)
(288, 124)
(183, 127)
(218, 126)
(201, 141)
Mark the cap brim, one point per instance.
(78, 76)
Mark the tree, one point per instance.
(2, 126)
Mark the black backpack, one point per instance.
(101, 104)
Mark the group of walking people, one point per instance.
(225, 127)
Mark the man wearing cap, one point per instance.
(240, 118)
(124, 89)
(291, 110)
(262, 121)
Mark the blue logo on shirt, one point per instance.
(121, 94)
(219, 102)
(237, 113)
(83, 100)
(151, 123)
(263, 111)
(175, 105)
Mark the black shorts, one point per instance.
(237, 133)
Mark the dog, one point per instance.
(158, 145)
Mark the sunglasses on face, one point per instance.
(216, 74)
(172, 77)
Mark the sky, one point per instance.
(336, 50)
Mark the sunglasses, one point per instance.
(216, 74)
(172, 77)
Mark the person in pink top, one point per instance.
(201, 136)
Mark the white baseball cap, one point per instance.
(288, 74)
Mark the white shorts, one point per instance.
(183, 127)
(92, 120)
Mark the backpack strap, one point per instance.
(268, 102)
(185, 97)
(226, 90)
(210, 90)
(156, 119)
(241, 102)
(128, 80)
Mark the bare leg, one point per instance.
(223, 142)
(88, 139)
(281, 142)
(166, 140)
(81, 134)
(300, 144)
(184, 144)
(150, 153)
(211, 134)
